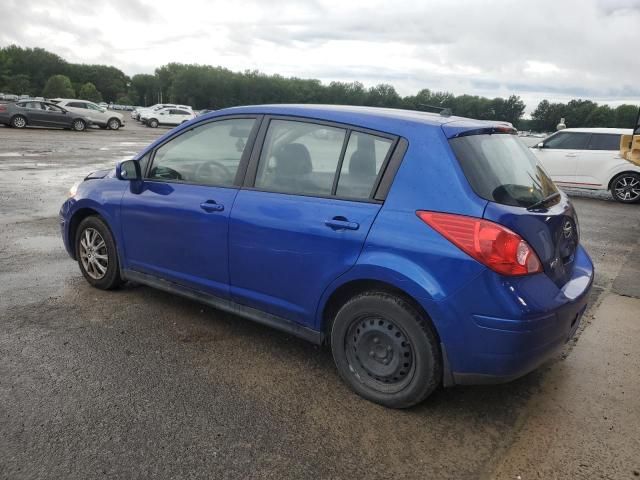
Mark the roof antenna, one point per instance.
(443, 111)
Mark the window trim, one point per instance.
(244, 159)
(375, 196)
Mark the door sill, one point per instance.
(256, 315)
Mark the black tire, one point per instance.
(18, 121)
(376, 327)
(625, 188)
(79, 125)
(153, 123)
(110, 279)
(113, 124)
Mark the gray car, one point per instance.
(41, 114)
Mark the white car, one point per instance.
(589, 158)
(99, 116)
(168, 116)
(143, 113)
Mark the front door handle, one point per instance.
(341, 223)
(211, 206)
(572, 155)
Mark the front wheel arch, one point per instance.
(624, 172)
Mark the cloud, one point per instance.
(542, 49)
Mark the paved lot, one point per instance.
(140, 384)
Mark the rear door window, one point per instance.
(604, 141)
(568, 141)
(500, 168)
(300, 158)
(363, 159)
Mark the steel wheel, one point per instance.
(626, 188)
(380, 353)
(79, 125)
(93, 254)
(19, 121)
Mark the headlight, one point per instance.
(74, 189)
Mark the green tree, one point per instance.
(58, 86)
(88, 91)
(19, 84)
(625, 116)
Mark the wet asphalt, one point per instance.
(138, 383)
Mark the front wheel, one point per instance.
(96, 253)
(385, 350)
(625, 188)
(153, 123)
(79, 125)
(114, 124)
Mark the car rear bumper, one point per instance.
(497, 348)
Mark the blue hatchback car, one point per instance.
(425, 249)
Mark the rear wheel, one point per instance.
(114, 124)
(385, 350)
(97, 254)
(625, 188)
(79, 125)
(153, 123)
(18, 121)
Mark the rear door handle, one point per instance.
(211, 206)
(341, 223)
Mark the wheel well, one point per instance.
(617, 175)
(350, 289)
(19, 115)
(113, 118)
(73, 225)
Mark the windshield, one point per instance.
(500, 168)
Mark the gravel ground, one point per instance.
(141, 384)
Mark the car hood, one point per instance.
(99, 174)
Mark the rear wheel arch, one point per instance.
(353, 288)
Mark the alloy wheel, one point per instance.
(627, 188)
(93, 254)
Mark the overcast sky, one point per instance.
(555, 49)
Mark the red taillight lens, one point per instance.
(3, 108)
(491, 244)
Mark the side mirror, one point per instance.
(128, 170)
(540, 145)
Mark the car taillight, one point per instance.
(491, 244)
(3, 108)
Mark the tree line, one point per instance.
(39, 72)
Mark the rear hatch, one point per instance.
(522, 197)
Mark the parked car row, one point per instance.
(168, 114)
(41, 114)
(60, 113)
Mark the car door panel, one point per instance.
(284, 249)
(176, 227)
(559, 155)
(289, 234)
(169, 234)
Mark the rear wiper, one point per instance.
(544, 201)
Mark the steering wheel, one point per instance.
(213, 170)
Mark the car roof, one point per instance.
(621, 131)
(369, 117)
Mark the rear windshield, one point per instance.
(500, 168)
